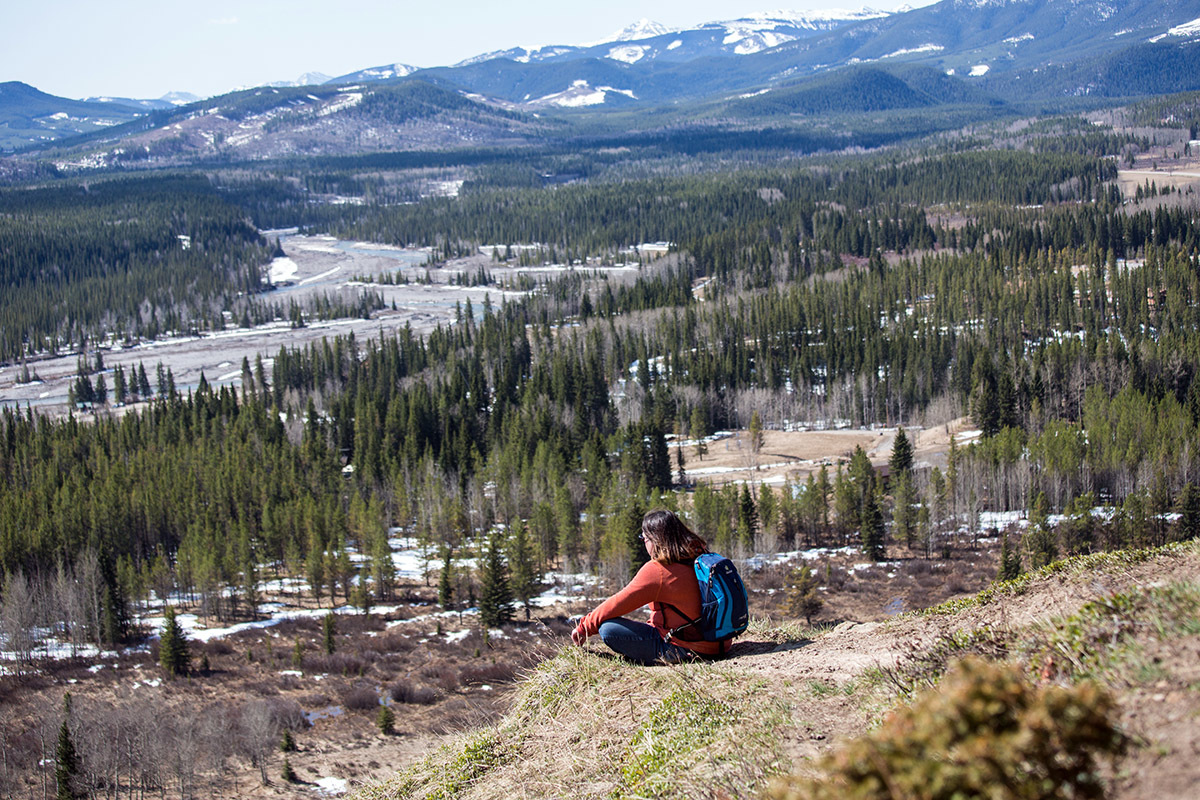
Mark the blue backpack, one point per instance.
(724, 607)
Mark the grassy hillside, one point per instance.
(1121, 626)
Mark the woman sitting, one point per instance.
(667, 583)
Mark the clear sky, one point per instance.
(146, 48)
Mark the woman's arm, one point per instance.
(643, 589)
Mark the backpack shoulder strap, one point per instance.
(672, 632)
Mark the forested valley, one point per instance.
(1008, 279)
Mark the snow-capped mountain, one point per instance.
(307, 79)
(646, 40)
(642, 29)
(169, 100)
(981, 53)
(386, 72)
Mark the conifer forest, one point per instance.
(1012, 275)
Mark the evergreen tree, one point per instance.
(768, 508)
(385, 720)
(172, 646)
(446, 580)
(1189, 512)
(872, 531)
(523, 577)
(1042, 545)
(1010, 560)
(66, 760)
(328, 631)
(495, 604)
(902, 454)
(747, 518)
(803, 600)
(903, 517)
(699, 431)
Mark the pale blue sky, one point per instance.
(146, 48)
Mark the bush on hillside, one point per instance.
(984, 732)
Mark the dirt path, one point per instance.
(1162, 711)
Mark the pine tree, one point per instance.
(872, 528)
(699, 431)
(902, 454)
(173, 646)
(446, 581)
(768, 508)
(66, 760)
(523, 578)
(747, 517)
(495, 606)
(803, 600)
(903, 518)
(386, 721)
(1189, 512)
(328, 630)
(1010, 560)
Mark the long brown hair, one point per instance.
(673, 541)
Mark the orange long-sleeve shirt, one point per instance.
(657, 585)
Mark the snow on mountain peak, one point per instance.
(817, 15)
(642, 29)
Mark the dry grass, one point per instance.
(587, 725)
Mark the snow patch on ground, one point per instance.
(343, 102)
(1186, 29)
(283, 269)
(629, 54)
(979, 70)
(921, 48)
(581, 94)
(331, 786)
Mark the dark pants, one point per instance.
(641, 643)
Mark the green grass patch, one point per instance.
(1103, 636)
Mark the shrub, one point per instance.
(984, 732)
(488, 673)
(413, 694)
(360, 698)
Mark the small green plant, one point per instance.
(683, 722)
(288, 774)
(385, 720)
(287, 744)
(984, 732)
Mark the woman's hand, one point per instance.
(578, 636)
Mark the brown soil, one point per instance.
(792, 455)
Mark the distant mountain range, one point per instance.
(781, 64)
